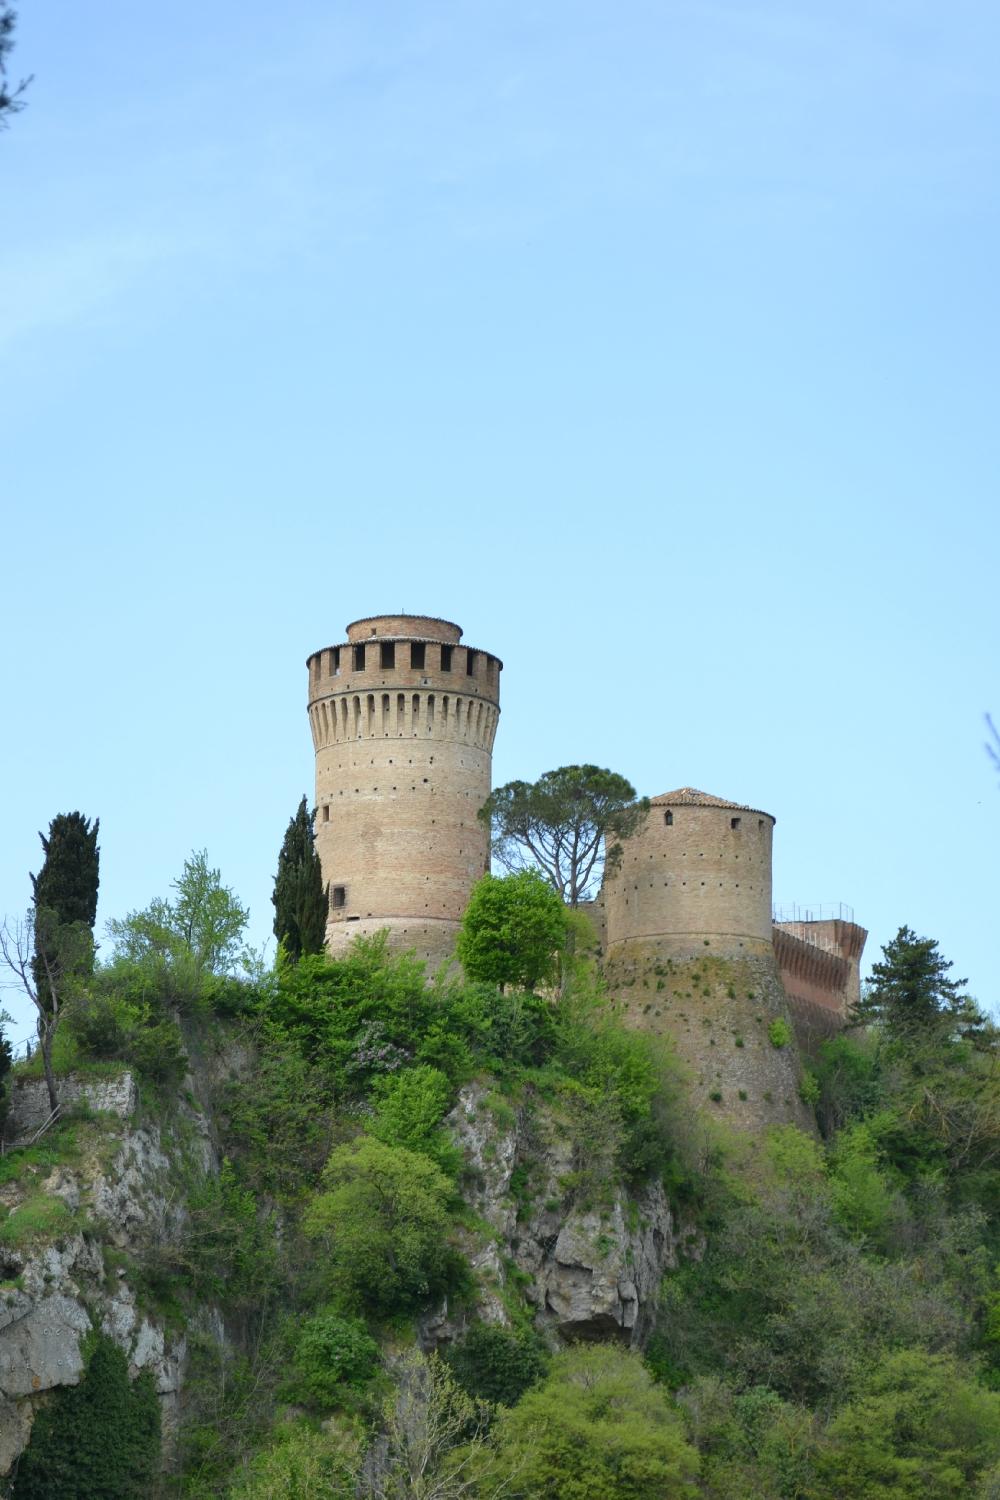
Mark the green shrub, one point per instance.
(779, 1033)
(494, 1363)
(409, 1107)
(302, 1464)
(39, 1218)
(99, 1440)
(332, 1355)
(513, 930)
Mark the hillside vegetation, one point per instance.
(354, 1248)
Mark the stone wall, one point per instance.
(29, 1100)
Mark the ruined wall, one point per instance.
(403, 720)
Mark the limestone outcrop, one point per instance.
(592, 1269)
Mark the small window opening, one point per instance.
(334, 661)
(338, 896)
(326, 812)
(760, 822)
(446, 658)
(388, 655)
(470, 663)
(418, 654)
(359, 658)
(734, 822)
(668, 818)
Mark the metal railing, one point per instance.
(814, 911)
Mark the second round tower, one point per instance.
(403, 719)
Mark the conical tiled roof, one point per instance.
(689, 796)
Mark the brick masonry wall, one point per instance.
(695, 876)
(403, 765)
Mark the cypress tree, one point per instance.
(300, 901)
(68, 881)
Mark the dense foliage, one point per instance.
(833, 1334)
(99, 1440)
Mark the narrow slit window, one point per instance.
(668, 818)
(338, 896)
(359, 658)
(470, 663)
(326, 812)
(446, 658)
(734, 822)
(418, 655)
(388, 655)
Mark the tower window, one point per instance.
(446, 658)
(388, 655)
(334, 661)
(326, 812)
(668, 818)
(734, 822)
(359, 658)
(338, 896)
(418, 653)
(470, 663)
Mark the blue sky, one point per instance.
(657, 344)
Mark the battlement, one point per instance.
(403, 661)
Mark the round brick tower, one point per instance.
(690, 953)
(403, 719)
(697, 868)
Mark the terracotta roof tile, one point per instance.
(689, 796)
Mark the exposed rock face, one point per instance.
(56, 1293)
(592, 1272)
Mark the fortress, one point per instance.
(403, 719)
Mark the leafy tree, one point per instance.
(383, 1216)
(568, 824)
(99, 1440)
(910, 995)
(10, 99)
(197, 934)
(512, 931)
(921, 1429)
(300, 900)
(65, 888)
(332, 1355)
(596, 1429)
(434, 1439)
